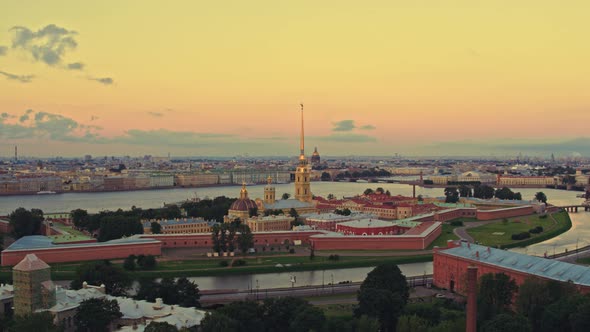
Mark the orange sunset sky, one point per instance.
(222, 78)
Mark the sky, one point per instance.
(225, 78)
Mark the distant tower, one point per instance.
(303, 172)
(315, 157)
(269, 192)
(16, 153)
(33, 289)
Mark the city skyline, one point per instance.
(139, 78)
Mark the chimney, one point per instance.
(471, 299)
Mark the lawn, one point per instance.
(500, 233)
(69, 235)
(338, 310)
(445, 235)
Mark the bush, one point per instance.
(129, 263)
(291, 251)
(239, 262)
(223, 263)
(334, 258)
(536, 230)
(456, 223)
(521, 236)
(544, 216)
(149, 262)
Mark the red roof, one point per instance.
(31, 263)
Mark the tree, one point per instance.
(368, 191)
(183, 292)
(309, 319)
(366, 324)
(383, 295)
(38, 322)
(331, 196)
(379, 190)
(451, 194)
(113, 277)
(420, 198)
(188, 293)
(411, 323)
(579, 318)
(218, 322)
(293, 213)
(245, 239)
(129, 263)
(326, 176)
(483, 191)
(25, 222)
(506, 323)
(160, 327)
(495, 295)
(286, 196)
(534, 295)
(156, 228)
(80, 218)
(541, 197)
(95, 315)
(506, 193)
(116, 227)
(465, 191)
(280, 313)
(148, 263)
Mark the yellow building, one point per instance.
(270, 223)
(179, 226)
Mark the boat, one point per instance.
(46, 192)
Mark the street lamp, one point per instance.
(332, 274)
(257, 289)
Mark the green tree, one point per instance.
(279, 313)
(148, 263)
(309, 319)
(420, 198)
(79, 218)
(535, 295)
(383, 295)
(156, 228)
(293, 213)
(495, 295)
(188, 293)
(248, 314)
(160, 327)
(366, 324)
(25, 222)
(129, 263)
(116, 227)
(326, 176)
(506, 323)
(368, 191)
(96, 315)
(579, 318)
(286, 196)
(541, 197)
(465, 191)
(451, 194)
(219, 322)
(245, 239)
(113, 277)
(411, 323)
(38, 322)
(483, 191)
(331, 196)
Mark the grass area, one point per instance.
(338, 310)
(334, 297)
(585, 261)
(70, 234)
(500, 233)
(445, 235)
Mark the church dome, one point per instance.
(243, 205)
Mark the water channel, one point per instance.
(578, 236)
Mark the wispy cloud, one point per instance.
(102, 80)
(344, 125)
(346, 138)
(48, 45)
(19, 78)
(76, 66)
(367, 127)
(156, 114)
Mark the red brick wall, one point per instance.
(504, 213)
(448, 268)
(76, 254)
(374, 242)
(394, 229)
(5, 227)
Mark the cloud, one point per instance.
(48, 45)
(344, 125)
(20, 78)
(367, 127)
(75, 66)
(156, 114)
(23, 118)
(6, 115)
(346, 138)
(3, 50)
(102, 80)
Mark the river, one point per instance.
(579, 235)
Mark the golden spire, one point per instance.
(269, 180)
(302, 139)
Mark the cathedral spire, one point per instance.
(302, 159)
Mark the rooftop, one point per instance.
(31, 263)
(44, 242)
(288, 204)
(538, 266)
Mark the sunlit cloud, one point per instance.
(19, 78)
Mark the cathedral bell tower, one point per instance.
(303, 172)
(269, 192)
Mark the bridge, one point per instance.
(574, 208)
